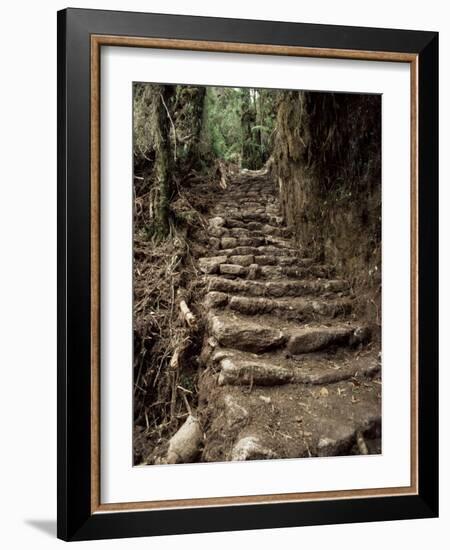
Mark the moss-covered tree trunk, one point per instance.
(161, 191)
(197, 106)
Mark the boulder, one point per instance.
(185, 445)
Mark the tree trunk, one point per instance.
(198, 103)
(161, 191)
(248, 118)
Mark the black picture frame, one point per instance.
(75, 518)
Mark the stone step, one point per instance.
(282, 257)
(227, 328)
(245, 208)
(211, 264)
(298, 268)
(297, 309)
(272, 254)
(263, 244)
(253, 188)
(245, 334)
(274, 289)
(241, 372)
(254, 195)
(238, 220)
(245, 191)
(291, 420)
(263, 228)
(300, 309)
(243, 369)
(308, 339)
(249, 200)
(261, 217)
(279, 242)
(232, 242)
(268, 232)
(245, 237)
(291, 272)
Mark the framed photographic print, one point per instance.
(247, 256)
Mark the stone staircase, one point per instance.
(288, 371)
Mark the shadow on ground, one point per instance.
(46, 526)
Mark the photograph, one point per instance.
(247, 271)
(257, 275)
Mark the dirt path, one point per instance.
(288, 369)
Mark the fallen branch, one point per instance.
(175, 360)
(186, 402)
(188, 316)
(173, 398)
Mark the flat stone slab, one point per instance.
(286, 272)
(282, 259)
(244, 334)
(239, 372)
(275, 289)
(309, 339)
(300, 309)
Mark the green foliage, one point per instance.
(238, 124)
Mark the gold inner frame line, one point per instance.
(97, 41)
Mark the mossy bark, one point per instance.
(196, 108)
(161, 191)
